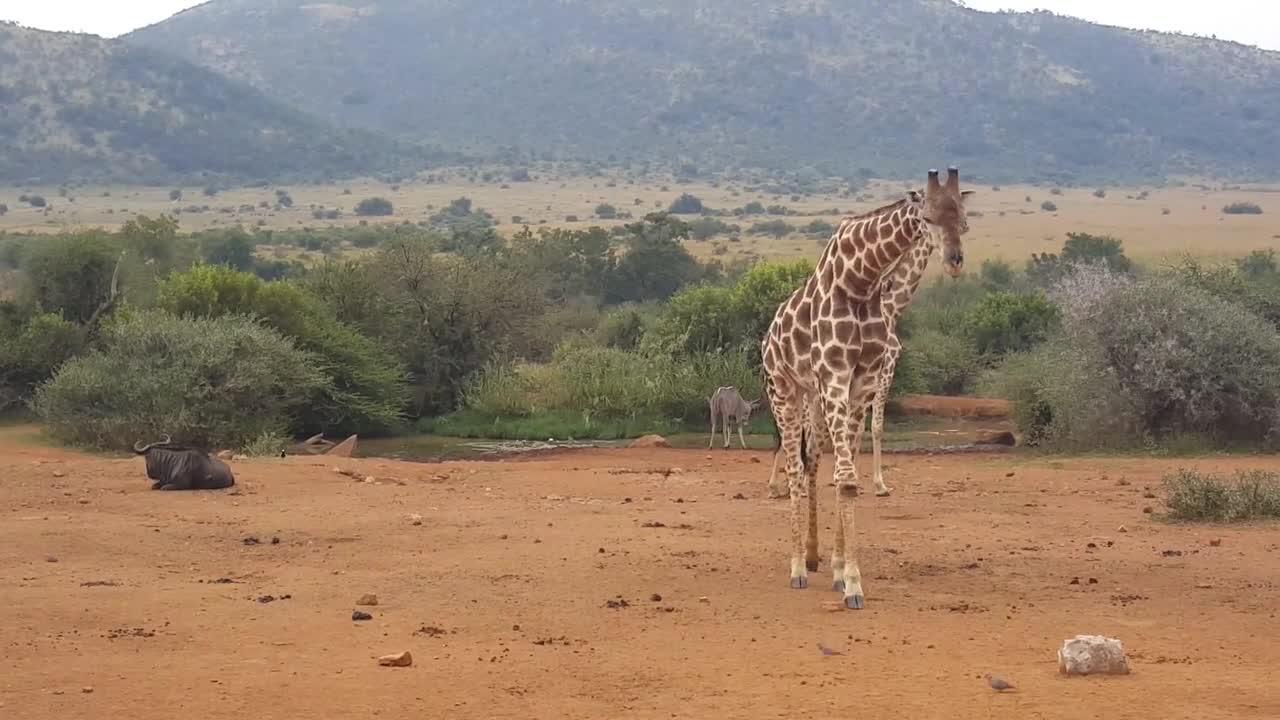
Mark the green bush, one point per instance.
(70, 274)
(213, 383)
(1005, 322)
(367, 390)
(1195, 496)
(30, 351)
(937, 364)
(686, 204)
(374, 206)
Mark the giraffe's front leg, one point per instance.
(846, 411)
(789, 428)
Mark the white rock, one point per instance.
(1092, 655)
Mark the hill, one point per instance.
(836, 85)
(80, 108)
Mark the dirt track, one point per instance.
(501, 592)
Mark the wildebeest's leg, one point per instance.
(174, 486)
(712, 444)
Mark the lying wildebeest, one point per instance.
(174, 467)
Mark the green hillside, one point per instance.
(80, 108)
(842, 86)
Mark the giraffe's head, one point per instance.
(945, 219)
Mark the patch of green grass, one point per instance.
(1205, 497)
(265, 445)
(566, 424)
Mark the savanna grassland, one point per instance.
(1008, 222)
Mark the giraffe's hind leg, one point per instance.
(789, 417)
(877, 423)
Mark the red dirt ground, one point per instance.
(501, 591)
(949, 406)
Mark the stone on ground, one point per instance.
(991, 437)
(368, 599)
(650, 441)
(403, 659)
(1092, 655)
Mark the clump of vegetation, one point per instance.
(686, 204)
(194, 379)
(1242, 208)
(1205, 497)
(776, 228)
(374, 207)
(1049, 206)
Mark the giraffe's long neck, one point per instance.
(904, 279)
(863, 250)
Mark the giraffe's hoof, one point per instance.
(853, 602)
(799, 583)
(883, 492)
(811, 565)
(837, 586)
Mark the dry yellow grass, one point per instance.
(1166, 224)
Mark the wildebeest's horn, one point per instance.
(142, 449)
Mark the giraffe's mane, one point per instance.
(879, 211)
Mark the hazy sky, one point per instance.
(1256, 22)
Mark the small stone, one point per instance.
(59, 473)
(360, 615)
(1092, 655)
(86, 689)
(50, 558)
(516, 628)
(275, 540)
(739, 496)
(1093, 581)
(1075, 581)
(655, 597)
(368, 599)
(755, 459)
(1009, 474)
(1204, 586)
(1148, 510)
(403, 659)
(704, 599)
(1216, 542)
(1122, 529)
(83, 501)
(415, 518)
(650, 441)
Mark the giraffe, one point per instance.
(824, 352)
(897, 291)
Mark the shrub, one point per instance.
(776, 228)
(366, 390)
(374, 206)
(996, 274)
(686, 204)
(3, 209)
(212, 383)
(1080, 249)
(1242, 208)
(820, 228)
(705, 228)
(605, 211)
(939, 364)
(36, 201)
(175, 195)
(1049, 206)
(1196, 496)
(1099, 193)
(30, 352)
(1005, 322)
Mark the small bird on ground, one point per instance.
(828, 651)
(998, 683)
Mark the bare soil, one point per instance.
(618, 583)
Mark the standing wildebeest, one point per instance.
(174, 467)
(728, 406)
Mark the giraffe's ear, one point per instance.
(914, 195)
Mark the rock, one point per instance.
(704, 599)
(83, 501)
(59, 474)
(755, 459)
(368, 599)
(415, 518)
(360, 615)
(992, 437)
(1123, 529)
(650, 441)
(345, 448)
(403, 659)
(1215, 542)
(86, 689)
(1092, 655)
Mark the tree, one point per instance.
(232, 248)
(175, 195)
(374, 207)
(655, 264)
(605, 211)
(686, 204)
(71, 275)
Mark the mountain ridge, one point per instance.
(842, 87)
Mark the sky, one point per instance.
(1254, 22)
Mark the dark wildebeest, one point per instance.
(730, 409)
(174, 467)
